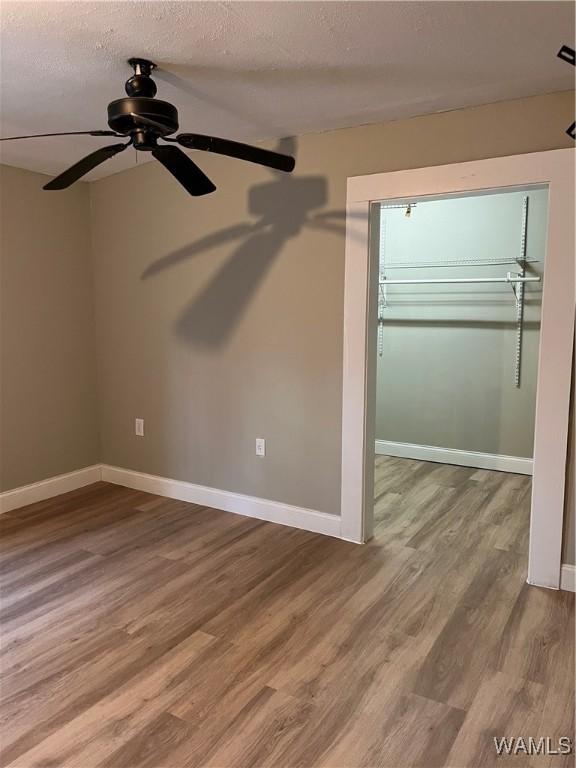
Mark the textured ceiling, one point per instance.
(252, 70)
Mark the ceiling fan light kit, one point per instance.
(145, 120)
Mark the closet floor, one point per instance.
(141, 632)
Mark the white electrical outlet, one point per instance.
(139, 427)
(260, 446)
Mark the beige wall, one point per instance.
(217, 332)
(48, 412)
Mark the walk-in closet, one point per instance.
(458, 324)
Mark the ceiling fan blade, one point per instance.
(236, 149)
(68, 133)
(184, 170)
(82, 167)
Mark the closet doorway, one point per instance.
(458, 332)
(458, 326)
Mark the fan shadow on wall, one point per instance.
(283, 207)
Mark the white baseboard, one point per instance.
(46, 489)
(568, 578)
(238, 503)
(514, 464)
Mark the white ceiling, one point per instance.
(252, 70)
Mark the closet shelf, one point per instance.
(456, 263)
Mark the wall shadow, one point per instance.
(282, 208)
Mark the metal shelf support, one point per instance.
(519, 293)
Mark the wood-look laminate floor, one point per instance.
(140, 632)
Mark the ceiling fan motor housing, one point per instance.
(121, 111)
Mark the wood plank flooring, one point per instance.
(140, 632)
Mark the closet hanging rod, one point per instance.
(423, 281)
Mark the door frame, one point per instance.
(553, 168)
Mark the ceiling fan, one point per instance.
(145, 120)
